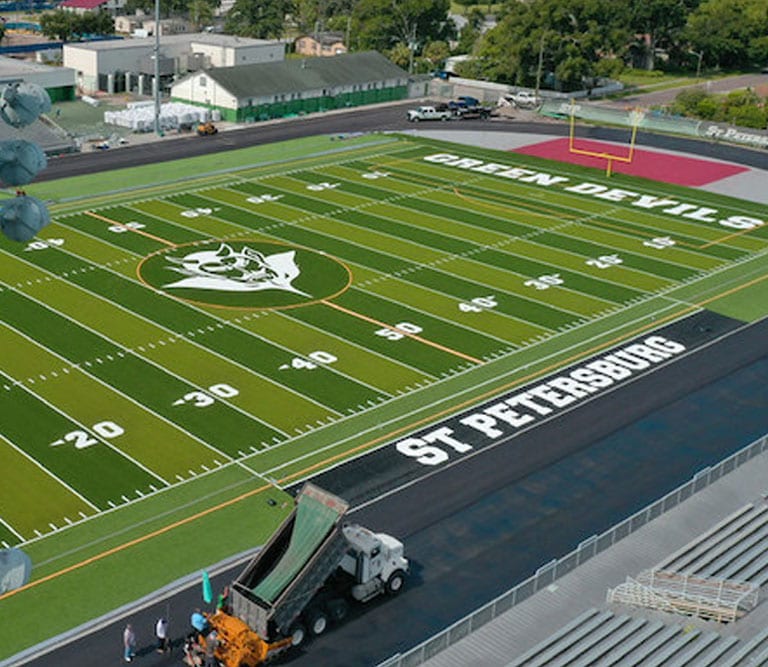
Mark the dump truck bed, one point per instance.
(279, 582)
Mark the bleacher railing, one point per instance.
(559, 567)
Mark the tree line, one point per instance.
(572, 41)
(554, 43)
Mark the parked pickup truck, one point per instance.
(428, 113)
(524, 99)
(476, 111)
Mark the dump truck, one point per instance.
(304, 579)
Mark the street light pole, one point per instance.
(157, 67)
(699, 55)
(540, 65)
(411, 48)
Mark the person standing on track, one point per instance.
(161, 632)
(129, 643)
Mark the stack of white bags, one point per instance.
(140, 116)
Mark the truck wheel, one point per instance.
(337, 609)
(395, 582)
(444, 118)
(317, 621)
(298, 634)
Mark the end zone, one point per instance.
(657, 166)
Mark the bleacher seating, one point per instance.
(734, 549)
(51, 140)
(600, 637)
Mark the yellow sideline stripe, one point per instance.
(138, 540)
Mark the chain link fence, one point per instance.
(559, 567)
(654, 120)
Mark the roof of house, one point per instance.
(83, 4)
(207, 38)
(297, 75)
(325, 38)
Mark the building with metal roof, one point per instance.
(83, 6)
(58, 81)
(258, 92)
(127, 65)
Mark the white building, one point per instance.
(272, 90)
(128, 64)
(83, 6)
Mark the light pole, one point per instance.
(412, 44)
(699, 55)
(540, 65)
(157, 67)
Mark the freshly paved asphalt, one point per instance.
(475, 529)
(379, 119)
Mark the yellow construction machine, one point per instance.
(206, 129)
(303, 580)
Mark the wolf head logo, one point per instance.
(229, 270)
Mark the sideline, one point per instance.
(135, 541)
(89, 627)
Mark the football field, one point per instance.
(168, 348)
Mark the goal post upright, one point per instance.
(635, 118)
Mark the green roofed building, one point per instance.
(298, 86)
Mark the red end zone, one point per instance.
(647, 164)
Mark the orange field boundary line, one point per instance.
(138, 540)
(131, 229)
(415, 337)
(505, 387)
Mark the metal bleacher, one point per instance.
(52, 139)
(711, 551)
(710, 598)
(736, 548)
(600, 637)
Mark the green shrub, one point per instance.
(748, 116)
(688, 100)
(610, 68)
(708, 108)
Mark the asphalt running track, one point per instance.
(379, 119)
(475, 529)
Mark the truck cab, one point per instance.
(375, 561)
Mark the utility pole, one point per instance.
(540, 65)
(411, 48)
(157, 67)
(349, 26)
